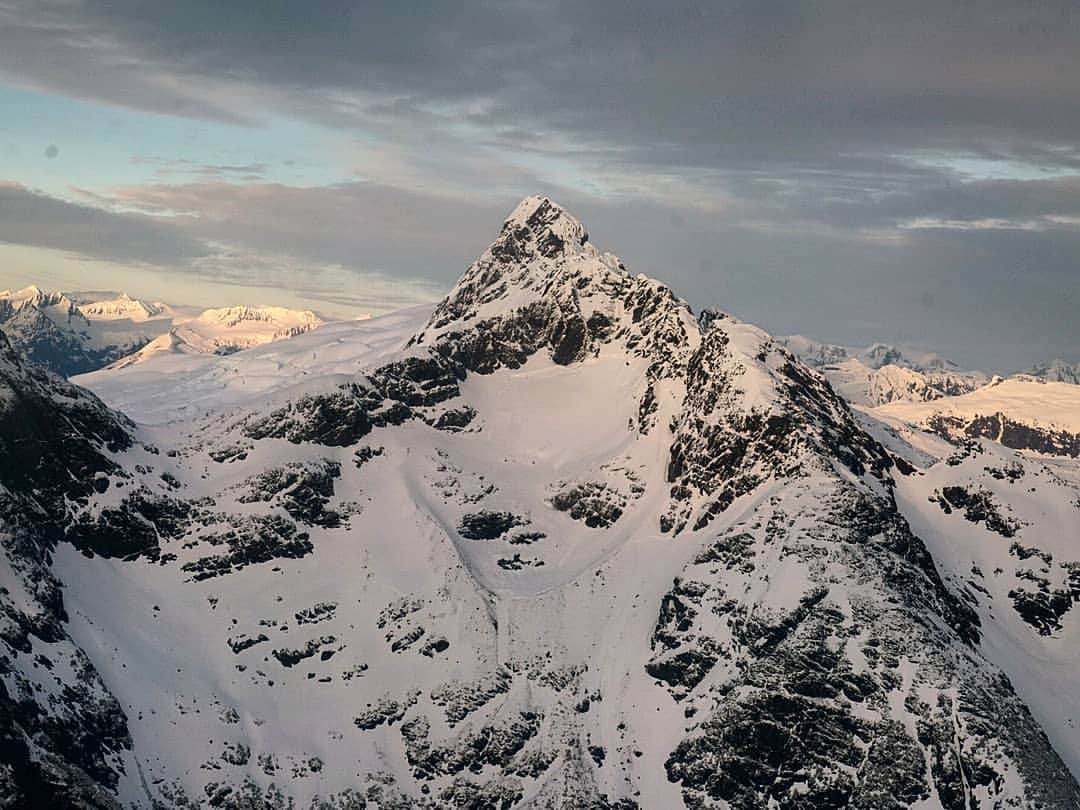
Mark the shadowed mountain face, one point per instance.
(63, 736)
(559, 543)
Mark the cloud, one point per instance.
(259, 235)
(734, 79)
(366, 226)
(183, 168)
(28, 217)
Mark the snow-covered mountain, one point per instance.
(229, 329)
(881, 373)
(124, 307)
(557, 544)
(63, 735)
(1057, 370)
(875, 356)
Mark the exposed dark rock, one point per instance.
(460, 699)
(387, 711)
(319, 612)
(226, 455)
(435, 646)
(242, 642)
(236, 754)
(493, 795)
(494, 744)
(365, 454)
(60, 746)
(683, 670)
(303, 490)
(1013, 472)
(978, 507)
(397, 610)
(723, 449)
(1000, 428)
(137, 527)
(1042, 608)
(455, 419)
(407, 639)
(256, 539)
(344, 416)
(517, 563)
(525, 538)
(290, 658)
(487, 525)
(594, 503)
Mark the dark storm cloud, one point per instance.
(30, 218)
(993, 299)
(358, 224)
(854, 169)
(680, 73)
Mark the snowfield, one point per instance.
(168, 385)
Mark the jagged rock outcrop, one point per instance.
(63, 737)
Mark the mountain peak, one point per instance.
(542, 284)
(541, 253)
(540, 227)
(124, 307)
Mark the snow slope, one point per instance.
(172, 380)
(1005, 530)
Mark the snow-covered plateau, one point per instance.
(558, 543)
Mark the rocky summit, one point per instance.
(558, 543)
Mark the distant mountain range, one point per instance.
(72, 335)
(881, 373)
(81, 332)
(1037, 410)
(1057, 370)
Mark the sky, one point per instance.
(852, 171)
